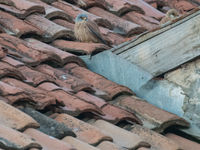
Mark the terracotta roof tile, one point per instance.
(73, 105)
(2, 51)
(91, 99)
(15, 26)
(52, 12)
(34, 77)
(12, 139)
(79, 145)
(156, 140)
(12, 61)
(35, 52)
(112, 114)
(14, 118)
(80, 48)
(65, 80)
(12, 94)
(60, 56)
(106, 145)
(22, 8)
(98, 81)
(141, 19)
(49, 126)
(8, 70)
(84, 131)
(50, 30)
(118, 134)
(184, 143)
(37, 97)
(74, 11)
(64, 23)
(111, 37)
(120, 25)
(159, 118)
(48, 142)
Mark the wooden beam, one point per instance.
(165, 49)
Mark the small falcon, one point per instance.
(87, 31)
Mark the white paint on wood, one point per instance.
(161, 51)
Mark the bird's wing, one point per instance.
(93, 28)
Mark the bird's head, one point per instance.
(81, 17)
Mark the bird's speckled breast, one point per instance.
(82, 32)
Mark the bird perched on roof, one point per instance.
(170, 15)
(86, 30)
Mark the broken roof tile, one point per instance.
(80, 48)
(158, 119)
(79, 145)
(37, 97)
(15, 26)
(98, 81)
(22, 8)
(62, 57)
(107, 145)
(11, 71)
(183, 143)
(50, 30)
(84, 131)
(14, 118)
(12, 139)
(74, 11)
(73, 105)
(49, 126)
(120, 136)
(156, 140)
(143, 20)
(120, 25)
(52, 12)
(48, 142)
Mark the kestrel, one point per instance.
(170, 15)
(86, 30)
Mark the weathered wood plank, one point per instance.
(160, 51)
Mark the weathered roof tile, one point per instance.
(14, 118)
(157, 118)
(98, 81)
(183, 143)
(80, 48)
(79, 145)
(50, 30)
(120, 25)
(37, 97)
(21, 8)
(84, 131)
(156, 140)
(49, 126)
(74, 11)
(12, 139)
(48, 142)
(15, 26)
(120, 136)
